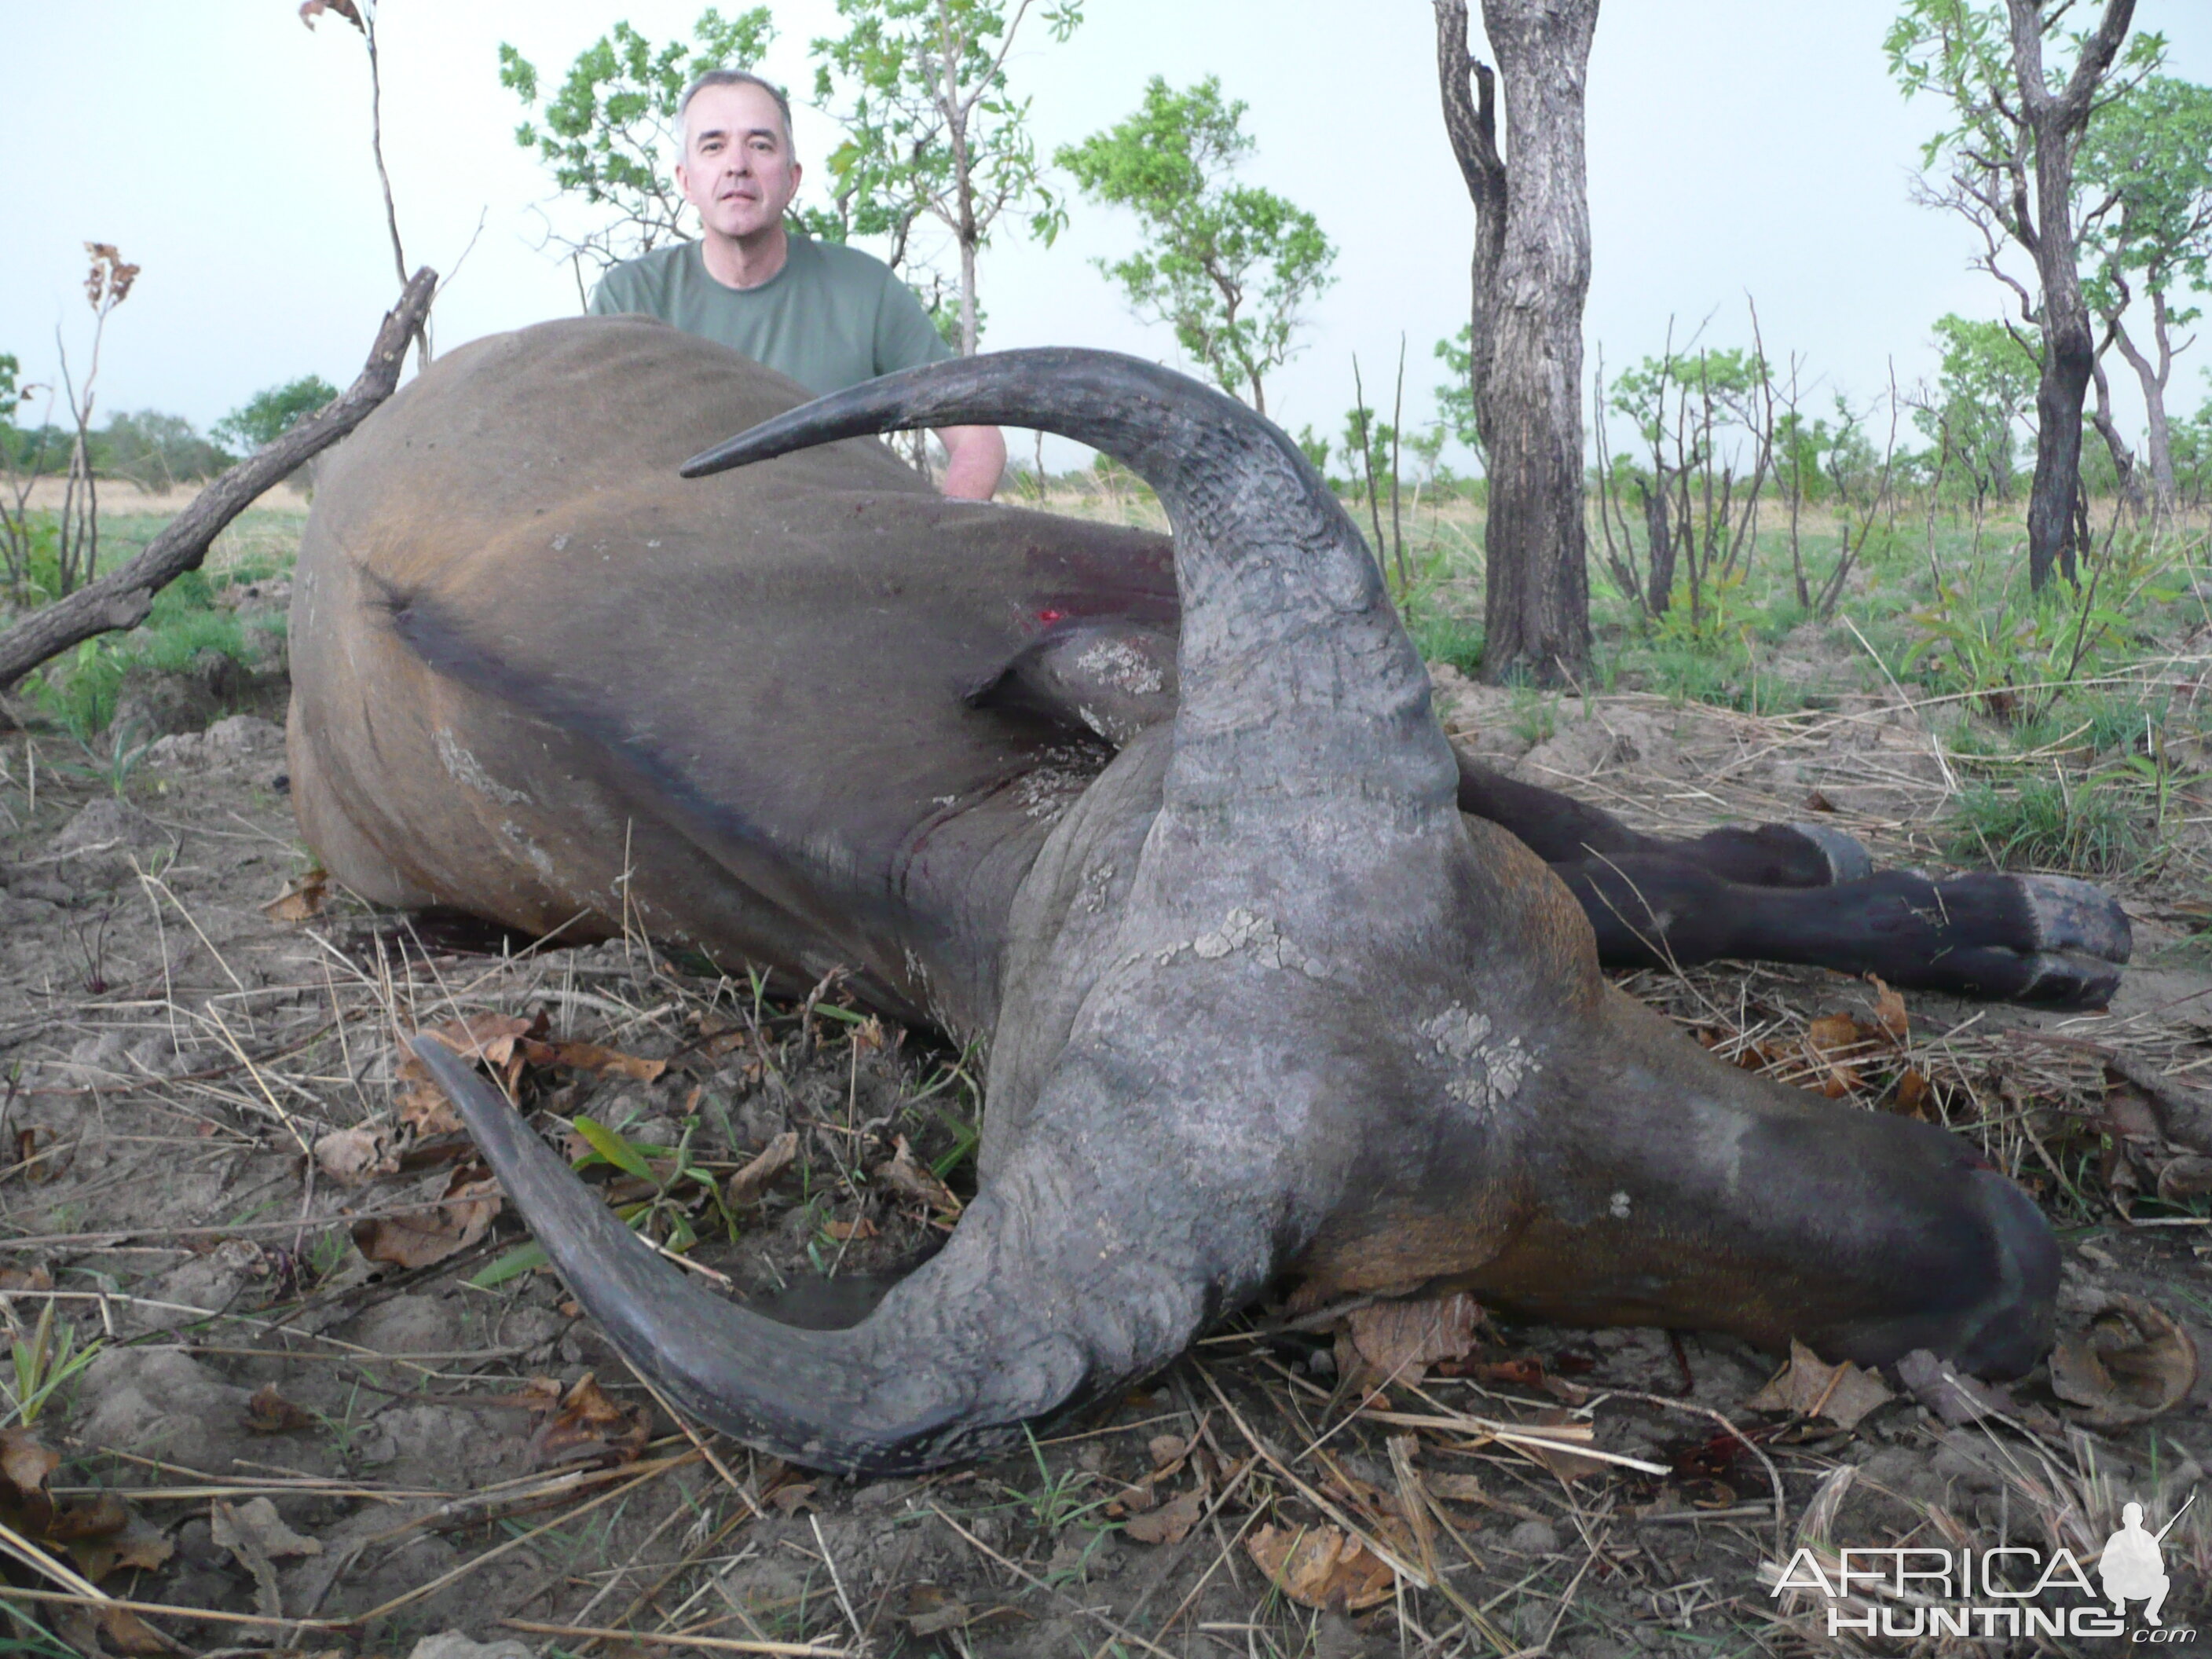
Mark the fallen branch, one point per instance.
(123, 598)
(2184, 1113)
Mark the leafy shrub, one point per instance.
(79, 689)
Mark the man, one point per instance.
(827, 315)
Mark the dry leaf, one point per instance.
(1320, 1567)
(1459, 1488)
(27, 1460)
(1912, 1095)
(256, 1534)
(126, 1632)
(1166, 1450)
(2130, 1365)
(1810, 1387)
(927, 1610)
(490, 1038)
(1889, 1011)
(421, 1104)
(905, 1173)
(536, 1393)
(464, 1215)
(1829, 1038)
(2184, 1178)
(101, 1515)
(794, 1496)
(26, 1279)
(257, 1521)
(1567, 1465)
(591, 1057)
(1169, 1524)
(354, 1156)
(773, 1159)
(311, 9)
(1134, 1500)
(1834, 1033)
(1938, 1385)
(134, 1543)
(1388, 1342)
(302, 900)
(269, 1412)
(590, 1426)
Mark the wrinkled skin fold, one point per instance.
(1260, 1001)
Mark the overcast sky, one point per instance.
(1735, 146)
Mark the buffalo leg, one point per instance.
(1561, 829)
(2042, 939)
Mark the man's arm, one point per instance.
(974, 460)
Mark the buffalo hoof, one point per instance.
(1847, 860)
(2057, 942)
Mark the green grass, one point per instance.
(2087, 827)
(1443, 638)
(80, 689)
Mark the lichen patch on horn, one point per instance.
(1243, 930)
(1485, 1073)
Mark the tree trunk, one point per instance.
(2158, 436)
(1531, 274)
(2123, 460)
(2055, 120)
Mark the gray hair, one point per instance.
(730, 77)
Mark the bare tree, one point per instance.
(1531, 274)
(362, 14)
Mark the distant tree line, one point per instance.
(153, 450)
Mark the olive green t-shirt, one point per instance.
(833, 317)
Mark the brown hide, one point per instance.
(557, 660)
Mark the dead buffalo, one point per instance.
(1175, 832)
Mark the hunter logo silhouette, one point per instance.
(2131, 1566)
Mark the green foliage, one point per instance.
(2087, 827)
(271, 412)
(2015, 652)
(1704, 418)
(155, 451)
(2148, 158)
(1366, 444)
(1229, 267)
(1984, 390)
(80, 689)
(2192, 458)
(681, 1187)
(44, 1360)
(930, 129)
(609, 137)
(1441, 637)
(1961, 50)
(1456, 397)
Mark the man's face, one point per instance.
(737, 169)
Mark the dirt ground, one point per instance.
(206, 1126)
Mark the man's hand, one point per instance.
(974, 460)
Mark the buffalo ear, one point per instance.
(1112, 678)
